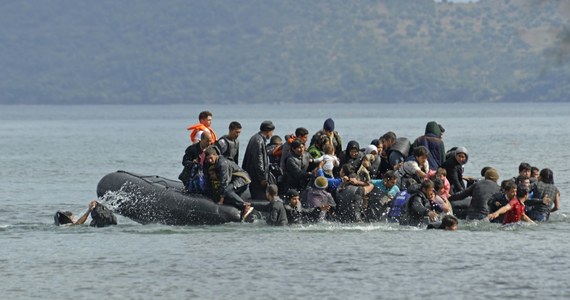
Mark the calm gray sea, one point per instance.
(52, 157)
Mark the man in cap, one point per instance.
(256, 161)
(334, 137)
(318, 197)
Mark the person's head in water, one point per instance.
(293, 197)
(449, 222)
(63, 217)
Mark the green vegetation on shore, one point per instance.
(259, 51)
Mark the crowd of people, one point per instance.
(298, 179)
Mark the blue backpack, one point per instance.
(398, 207)
(196, 183)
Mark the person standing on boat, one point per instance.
(193, 161)
(204, 125)
(296, 172)
(256, 161)
(228, 145)
(301, 134)
(334, 137)
(226, 181)
(432, 141)
(387, 140)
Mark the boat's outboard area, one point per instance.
(154, 199)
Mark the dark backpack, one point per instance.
(398, 208)
(102, 216)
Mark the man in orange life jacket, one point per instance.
(205, 119)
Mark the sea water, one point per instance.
(52, 158)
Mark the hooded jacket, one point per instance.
(455, 171)
(346, 159)
(433, 142)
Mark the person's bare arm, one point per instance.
(499, 212)
(83, 218)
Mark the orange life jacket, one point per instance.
(200, 127)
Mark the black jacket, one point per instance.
(349, 200)
(255, 160)
(296, 171)
(298, 215)
(189, 161)
(417, 209)
(454, 174)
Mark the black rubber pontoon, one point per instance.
(154, 199)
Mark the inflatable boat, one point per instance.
(154, 199)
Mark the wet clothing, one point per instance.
(502, 200)
(349, 201)
(515, 213)
(277, 213)
(392, 192)
(256, 164)
(318, 197)
(228, 148)
(480, 192)
(417, 209)
(537, 210)
(297, 214)
(433, 142)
